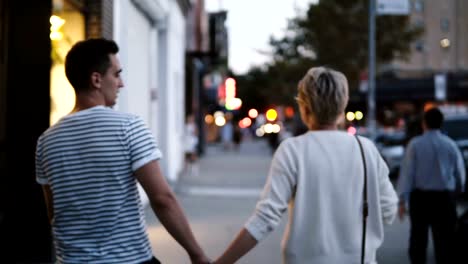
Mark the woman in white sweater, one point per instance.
(319, 178)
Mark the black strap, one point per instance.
(365, 206)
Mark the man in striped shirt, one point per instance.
(89, 164)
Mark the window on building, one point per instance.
(67, 28)
(419, 45)
(419, 23)
(444, 25)
(418, 5)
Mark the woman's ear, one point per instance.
(96, 80)
(308, 111)
(340, 121)
(305, 115)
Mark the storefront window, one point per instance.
(67, 28)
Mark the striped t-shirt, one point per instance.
(88, 159)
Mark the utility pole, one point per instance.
(371, 116)
(384, 7)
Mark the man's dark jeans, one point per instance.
(435, 210)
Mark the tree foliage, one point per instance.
(333, 33)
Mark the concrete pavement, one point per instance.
(222, 195)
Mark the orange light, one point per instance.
(209, 119)
(253, 113)
(429, 105)
(271, 115)
(289, 112)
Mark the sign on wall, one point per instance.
(440, 87)
(393, 7)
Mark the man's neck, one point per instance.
(85, 101)
(431, 129)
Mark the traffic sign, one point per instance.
(440, 87)
(393, 7)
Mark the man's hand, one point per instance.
(401, 210)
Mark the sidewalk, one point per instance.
(243, 169)
(218, 201)
(221, 197)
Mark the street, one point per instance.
(222, 195)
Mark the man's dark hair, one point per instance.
(433, 118)
(86, 57)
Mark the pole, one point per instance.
(371, 122)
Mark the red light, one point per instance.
(352, 130)
(289, 112)
(247, 122)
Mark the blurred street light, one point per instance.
(359, 115)
(220, 121)
(209, 119)
(253, 113)
(56, 24)
(271, 115)
(352, 130)
(218, 113)
(245, 122)
(233, 103)
(350, 116)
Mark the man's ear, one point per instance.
(96, 79)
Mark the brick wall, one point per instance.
(99, 19)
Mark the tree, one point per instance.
(333, 33)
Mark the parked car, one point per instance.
(391, 147)
(456, 127)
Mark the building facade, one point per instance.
(444, 44)
(34, 38)
(151, 35)
(436, 71)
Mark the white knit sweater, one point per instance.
(319, 178)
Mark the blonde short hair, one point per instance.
(324, 94)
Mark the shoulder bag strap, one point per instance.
(365, 206)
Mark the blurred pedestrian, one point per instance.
(237, 137)
(273, 141)
(89, 164)
(227, 132)
(413, 128)
(190, 145)
(431, 174)
(319, 178)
